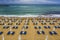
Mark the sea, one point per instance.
(29, 9)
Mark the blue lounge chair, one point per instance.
(55, 26)
(39, 27)
(45, 27)
(43, 32)
(55, 32)
(38, 32)
(49, 27)
(8, 33)
(35, 27)
(1, 33)
(51, 33)
(25, 33)
(21, 32)
(13, 33)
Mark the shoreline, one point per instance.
(28, 15)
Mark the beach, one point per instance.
(30, 22)
(31, 27)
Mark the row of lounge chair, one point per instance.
(44, 23)
(10, 23)
(6, 27)
(15, 27)
(10, 20)
(46, 27)
(28, 23)
(12, 33)
(26, 27)
(37, 27)
(53, 33)
(25, 32)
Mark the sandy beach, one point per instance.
(32, 26)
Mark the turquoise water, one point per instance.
(29, 9)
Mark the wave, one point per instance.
(30, 15)
(27, 15)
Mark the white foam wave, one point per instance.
(52, 15)
(29, 15)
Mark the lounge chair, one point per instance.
(43, 32)
(39, 27)
(5, 27)
(55, 32)
(51, 33)
(1, 33)
(15, 27)
(56, 26)
(23, 32)
(10, 32)
(45, 27)
(38, 32)
(49, 27)
(35, 27)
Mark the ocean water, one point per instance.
(33, 9)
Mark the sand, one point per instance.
(31, 31)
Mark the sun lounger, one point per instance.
(23, 32)
(1, 33)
